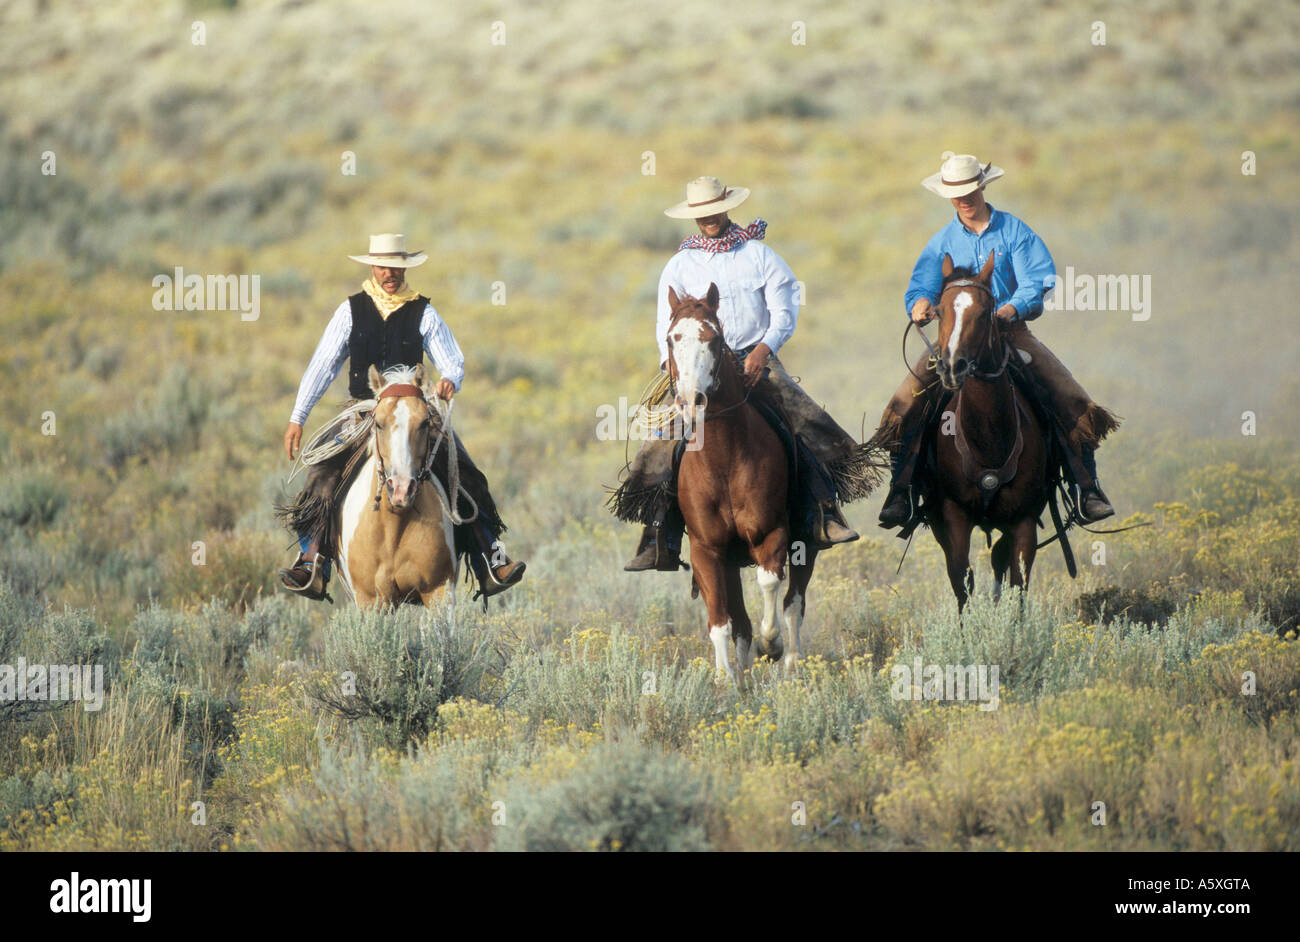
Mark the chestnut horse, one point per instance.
(732, 490)
(991, 463)
(399, 551)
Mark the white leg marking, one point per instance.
(794, 622)
(959, 305)
(720, 635)
(769, 583)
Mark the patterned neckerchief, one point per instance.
(728, 240)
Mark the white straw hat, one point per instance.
(960, 174)
(389, 250)
(706, 196)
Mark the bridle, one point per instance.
(401, 390)
(937, 356)
(714, 374)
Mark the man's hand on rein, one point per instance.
(292, 439)
(755, 362)
(445, 390)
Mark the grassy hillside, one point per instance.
(522, 163)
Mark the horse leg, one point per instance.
(1026, 548)
(795, 604)
(770, 555)
(742, 628)
(1001, 561)
(710, 577)
(956, 547)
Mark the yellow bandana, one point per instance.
(388, 303)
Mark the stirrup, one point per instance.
(822, 537)
(491, 585)
(314, 587)
(905, 492)
(1094, 493)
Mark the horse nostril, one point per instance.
(960, 365)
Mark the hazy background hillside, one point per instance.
(522, 163)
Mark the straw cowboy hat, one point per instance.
(706, 196)
(389, 250)
(959, 175)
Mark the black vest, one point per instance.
(382, 343)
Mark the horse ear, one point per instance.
(947, 265)
(418, 375)
(711, 299)
(375, 379)
(987, 271)
(673, 300)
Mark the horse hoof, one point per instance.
(773, 650)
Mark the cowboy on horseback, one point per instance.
(1023, 269)
(757, 310)
(386, 324)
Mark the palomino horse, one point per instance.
(401, 550)
(991, 453)
(732, 490)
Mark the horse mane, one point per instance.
(959, 273)
(688, 303)
(399, 374)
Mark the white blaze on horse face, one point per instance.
(959, 306)
(400, 465)
(695, 363)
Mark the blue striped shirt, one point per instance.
(1022, 270)
(332, 352)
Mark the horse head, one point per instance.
(695, 351)
(967, 323)
(404, 421)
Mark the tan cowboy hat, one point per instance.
(389, 250)
(960, 174)
(706, 196)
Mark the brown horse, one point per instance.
(400, 551)
(991, 452)
(732, 490)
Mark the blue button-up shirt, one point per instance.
(1022, 269)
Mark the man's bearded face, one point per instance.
(390, 279)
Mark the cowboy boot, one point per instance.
(307, 577)
(660, 549)
(900, 504)
(492, 579)
(831, 528)
(1093, 503)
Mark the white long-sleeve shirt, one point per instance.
(332, 351)
(756, 294)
